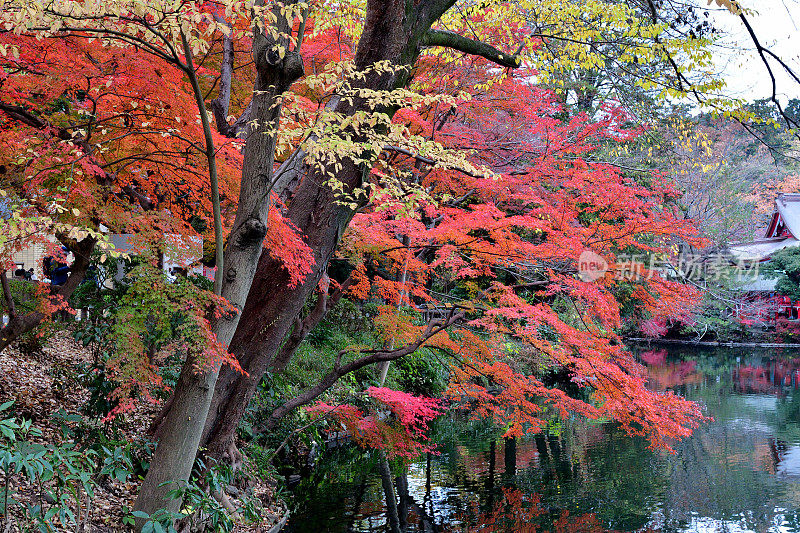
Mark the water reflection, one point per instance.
(740, 472)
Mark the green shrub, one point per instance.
(420, 373)
(64, 476)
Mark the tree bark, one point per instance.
(394, 31)
(181, 429)
(273, 305)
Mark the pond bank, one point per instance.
(713, 344)
(739, 472)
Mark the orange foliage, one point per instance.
(505, 250)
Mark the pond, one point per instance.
(740, 472)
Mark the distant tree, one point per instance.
(623, 62)
(721, 170)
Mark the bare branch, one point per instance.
(763, 52)
(458, 42)
(221, 104)
(212, 162)
(370, 357)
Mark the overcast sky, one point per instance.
(776, 25)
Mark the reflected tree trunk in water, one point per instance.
(389, 494)
(510, 457)
(428, 476)
(547, 461)
(362, 487)
(401, 482)
(426, 523)
(777, 449)
(427, 500)
(541, 448)
(490, 477)
(560, 459)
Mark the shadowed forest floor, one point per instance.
(41, 381)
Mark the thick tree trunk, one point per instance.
(182, 426)
(17, 326)
(390, 34)
(272, 309)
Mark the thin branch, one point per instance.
(428, 160)
(300, 430)
(212, 163)
(120, 36)
(763, 52)
(531, 285)
(221, 105)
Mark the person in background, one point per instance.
(59, 272)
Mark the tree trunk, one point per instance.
(181, 428)
(273, 306)
(394, 31)
(18, 326)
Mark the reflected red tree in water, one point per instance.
(654, 357)
(663, 375)
(524, 513)
(770, 377)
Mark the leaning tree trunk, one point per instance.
(390, 34)
(271, 310)
(181, 428)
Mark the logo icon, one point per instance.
(591, 266)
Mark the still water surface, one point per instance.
(740, 472)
